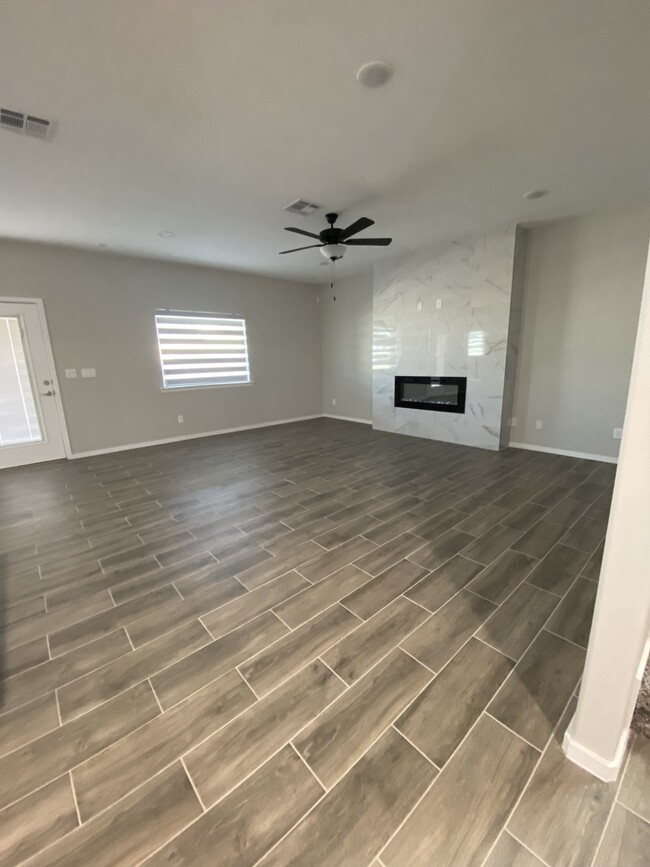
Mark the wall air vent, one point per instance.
(303, 207)
(26, 124)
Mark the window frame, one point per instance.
(162, 311)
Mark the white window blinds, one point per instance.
(201, 349)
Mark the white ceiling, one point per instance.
(206, 117)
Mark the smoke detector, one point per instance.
(26, 124)
(302, 207)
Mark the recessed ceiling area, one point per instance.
(205, 119)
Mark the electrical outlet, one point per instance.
(333, 401)
(71, 373)
(538, 424)
(438, 303)
(88, 372)
(513, 422)
(618, 433)
(180, 419)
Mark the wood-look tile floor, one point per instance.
(312, 644)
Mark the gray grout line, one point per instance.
(512, 731)
(196, 791)
(76, 804)
(523, 845)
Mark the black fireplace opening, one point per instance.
(437, 393)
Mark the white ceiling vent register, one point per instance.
(26, 124)
(302, 207)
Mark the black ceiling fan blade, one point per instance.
(370, 242)
(301, 232)
(296, 249)
(358, 226)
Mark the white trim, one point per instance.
(606, 770)
(210, 433)
(40, 308)
(347, 418)
(585, 455)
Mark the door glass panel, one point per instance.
(19, 423)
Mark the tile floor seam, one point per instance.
(512, 731)
(194, 789)
(76, 802)
(540, 758)
(523, 845)
(409, 741)
(610, 812)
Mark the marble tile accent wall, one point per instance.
(446, 311)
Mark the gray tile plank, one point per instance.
(342, 733)
(435, 553)
(232, 753)
(51, 755)
(440, 717)
(518, 620)
(572, 620)
(354, 655)
(315, 598)
(532, 699)
(98, 686)
(37, 821)
(634, 792)
(444, 582)
(377, 593)
(626, 842)
(248, 821)
(558, 570)
(331, 561)
(562, 813)
(196, 670)
(131, 829)
(497, 581)
(539, 540)
(509, 853)
(455, 824)
(357, 817)
(439, 638)
(240, 610)
(124, 765)
(289, 654)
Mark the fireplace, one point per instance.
(437, 393)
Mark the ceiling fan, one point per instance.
(333, 241)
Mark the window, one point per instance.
(202, 349)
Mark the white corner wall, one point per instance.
(583, 284)
(618, 643)
(100, 312)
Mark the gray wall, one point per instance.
(100, 310)
(346, 338)
(584, 279)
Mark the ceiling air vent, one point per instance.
(303, 207)
(26, 124)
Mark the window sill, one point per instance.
(190, 388)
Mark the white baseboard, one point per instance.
(606, 770)
(585, 455)
(347, 418)
(196, 436)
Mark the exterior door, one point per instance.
(31, 421)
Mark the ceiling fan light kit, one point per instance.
(333, 241)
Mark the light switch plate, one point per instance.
(88, 372)
(538, 424)
(71, 373)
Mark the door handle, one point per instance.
(47, 394)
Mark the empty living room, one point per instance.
(324, 433)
